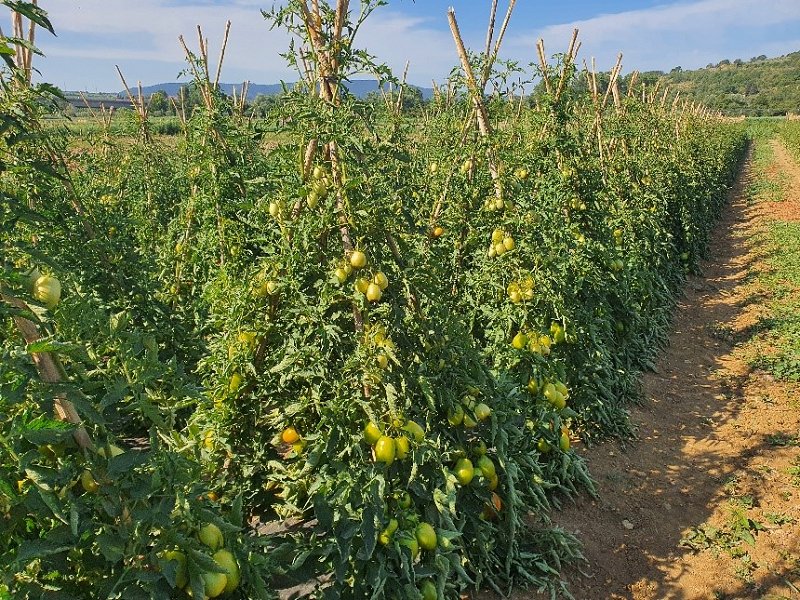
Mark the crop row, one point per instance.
(356, 361)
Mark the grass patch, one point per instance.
(777, 340)
(781, 342)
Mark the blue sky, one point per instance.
(141, 36)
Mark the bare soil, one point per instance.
(716, 440)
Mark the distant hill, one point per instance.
(760, 86)
(357, 87)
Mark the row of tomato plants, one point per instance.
(367, 374)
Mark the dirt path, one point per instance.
(716, 448)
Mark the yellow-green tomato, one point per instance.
(487, 467)
(374, 292)
(415, 430)
(47, 290)
(381, 280)
(385, 450)
(482, 412)
(426, 536)
(181, 573)
(214, 584)
(362, 285)
(386, 535)
(358, 260)
(404, 500)
(372, 433)
(227, 561)
(88, 482)
(412, 545)
(520, 341)
(464, 471)
(456, 416)
(341, 275)
(428, 590)
(211, 536)
(401, 447)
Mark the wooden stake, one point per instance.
(50, 371)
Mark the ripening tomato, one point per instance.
(374, 292)
(563, 441)
(401, 447)
(47, 290)
(381, 280)
(464, 471)
(411, 543)
(88, 482)
(520, 341)
(385, 450)
(226, 560)
(362, 285)
(372, 433)
(181, 573)
(456, 416)
(290, 436)
(214, 584)
(426, 536)
(404, 500)
(415, 430)
(482, 412)
(428, 590)
(438, 232)
(358, 260)
(487, 467)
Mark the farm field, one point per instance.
(488, 346)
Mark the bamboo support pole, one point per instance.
(50, 371)
(484, 127)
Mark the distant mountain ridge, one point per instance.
(358, 87)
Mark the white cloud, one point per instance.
(689, 34)
(146, 31)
